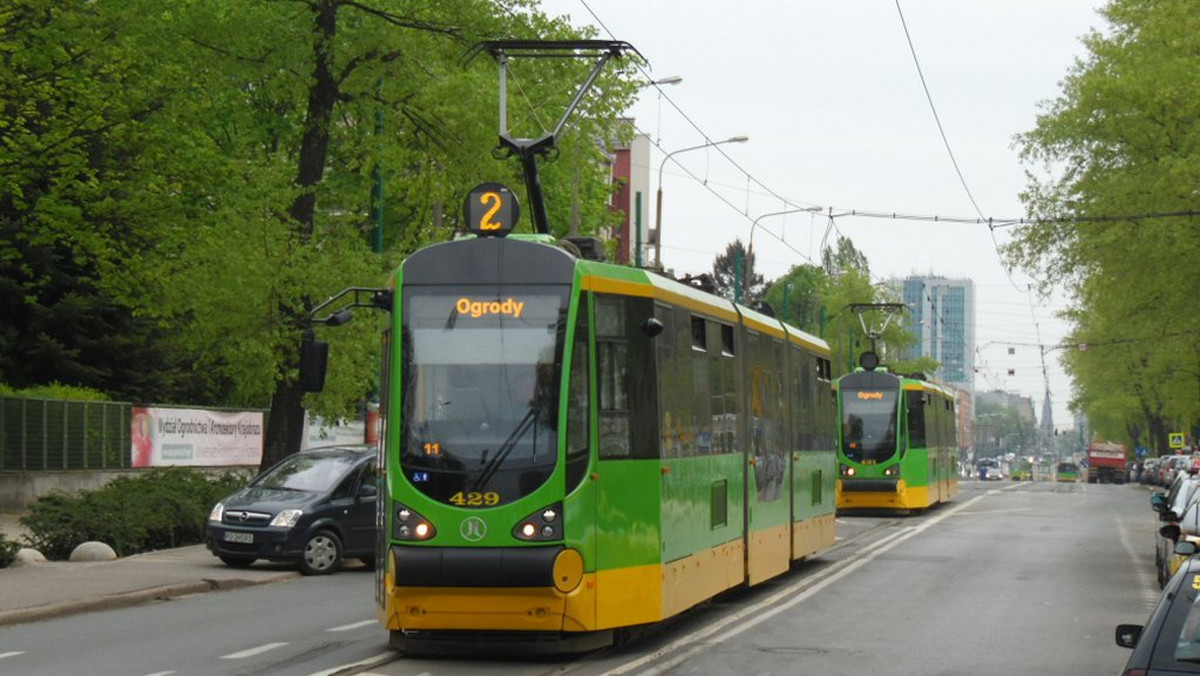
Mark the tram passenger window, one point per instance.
(727, 340)
(699, 337)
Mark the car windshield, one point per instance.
(312, 472)
(1180, 636)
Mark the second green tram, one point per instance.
(897, 442)
(572, 446)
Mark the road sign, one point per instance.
(1176, 440)
(1140, 451)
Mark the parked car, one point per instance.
(1184, 491)
(313, 508)
(1149, 471)
(1169, 643)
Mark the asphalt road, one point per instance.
(1008, 578)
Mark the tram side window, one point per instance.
(578, 409)
(803, 409)
(916, 418)
(625, 379)
(723, 406)
(702, 426)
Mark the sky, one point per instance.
(837, 115)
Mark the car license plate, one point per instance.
(244, 538)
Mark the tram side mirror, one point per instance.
(652, 327)
(1186, 548)
(314, 360)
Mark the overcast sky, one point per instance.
(837, 116)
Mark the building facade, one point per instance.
(941, 313)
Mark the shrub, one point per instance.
(8, 551)
(159, 509)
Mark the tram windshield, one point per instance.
(480, 390)
(869, 424)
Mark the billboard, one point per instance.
(195, 438)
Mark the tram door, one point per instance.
(768, 514)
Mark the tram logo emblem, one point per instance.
(472, 529)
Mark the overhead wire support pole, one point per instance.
(527, 150)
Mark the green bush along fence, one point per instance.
(54, 434)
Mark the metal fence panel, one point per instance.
(50, 434)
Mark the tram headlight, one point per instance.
(893, 470)
(544, 524)
(848, 471)
(409, 525)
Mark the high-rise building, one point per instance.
(941, 313)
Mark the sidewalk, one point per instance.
(39, 591)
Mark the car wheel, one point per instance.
(322, 554)
(237, 561)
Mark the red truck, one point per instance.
(1106, 463)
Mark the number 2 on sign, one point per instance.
(486, 222)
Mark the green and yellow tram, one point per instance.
(572, 446)
(1066, 472)
(897, 442)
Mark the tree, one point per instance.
(734, 277)
(208, 169)
(1121, 140)
(818, 302)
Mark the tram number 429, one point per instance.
(473, 499)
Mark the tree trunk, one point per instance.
(286, 420)
(285, 423)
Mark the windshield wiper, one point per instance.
(509, 444)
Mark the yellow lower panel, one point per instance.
(907, 497)
(628, 596)
(812, 535)
(770, 553)
(692, 579)
(471, 608)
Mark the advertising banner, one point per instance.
(174, 436)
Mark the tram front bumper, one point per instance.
(491, 589)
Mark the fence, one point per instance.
(52, 434)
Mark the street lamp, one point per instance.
(658, 84)
(658, 205)
(750, 249)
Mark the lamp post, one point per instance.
(658, 204)
(745, 286)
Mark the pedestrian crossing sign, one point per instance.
(1176, 440)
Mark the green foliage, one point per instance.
(734, 277)
(156, 510)
(818, 301)
(8, 551)
(179, 184)
(1123, 138)
(56, 391)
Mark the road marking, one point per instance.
(253, 651)
(12, 654)
(356, 625)
(380, 659)
(763, 610)
(161, 673)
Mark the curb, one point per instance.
(129, 599)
